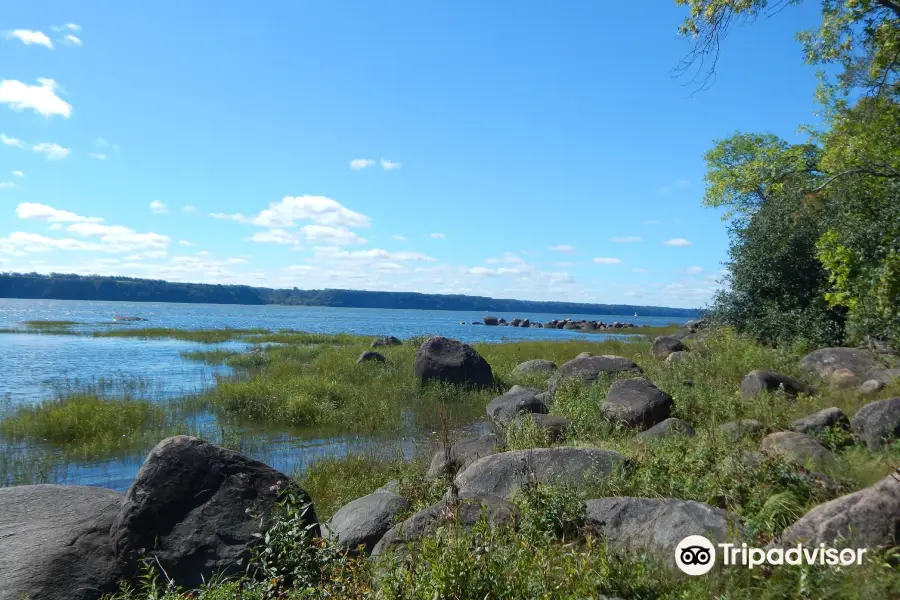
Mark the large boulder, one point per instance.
(55, 542)
(465, 513)
(443, 359)
(798, 447)
(386, 341)
(636, 403)
(588, 369)
(818, 422)
(677, 357)
(860, 362)
(538, 366)
(655, 526)
(877, 423)
(869, 518)
(503, 409)
(668, 428)
(758, 382)
(665, 345)
(364, 521)
(370, 356)
(462, 453)
(196, 507)
(502, 474)
(491, 321)
(515, 322)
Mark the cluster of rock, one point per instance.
(582, 325)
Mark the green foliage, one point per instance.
(550, 512)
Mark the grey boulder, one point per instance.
(871, 386)
(464, 513)
(869, 518)
(877, 423)
(655, 526)
(505, 473)
(758, 382)
(665, 345)
(818, 422)
(587, 369)
(364, 521)
(677, 357)
(735, 430)
(798, 447)
(196, 507)
(462, 453)
(554, 427)
(825, 361)
(55, 542)
(503, 409)
(668, 428)
(386, 341)
(636, 403)
(538, 365)
(370, 356)
(451, 361)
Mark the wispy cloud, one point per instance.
(188, 208)
(18, 173)
(438, 236)
(29, 37)
(636, 270)
(678, 242)
(66, 27)
(51, 151)
(291, 209)
(186, 243)
(561, 248)
(361, 163)
(6, 185)
(608, 261)
(399, 238)
(72, 40)
(97, 155)
(626, 240)
(388, 165)
(11, 141)
(40, 98)
(693, 270)
(159, 208)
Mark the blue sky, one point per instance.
(537, 150)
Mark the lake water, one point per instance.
(37, 367)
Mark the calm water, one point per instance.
(35, 367)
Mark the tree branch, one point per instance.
(860, 171)
(890, 5)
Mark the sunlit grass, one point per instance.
(205, 336)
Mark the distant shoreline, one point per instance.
(33, 286)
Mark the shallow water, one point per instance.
(37, 367)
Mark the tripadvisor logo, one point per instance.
(696, 555)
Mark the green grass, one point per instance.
(206, 336)
(50, 324)
(87, 425)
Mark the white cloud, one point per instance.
(301, 268)
(639, 270)
(42, 212)
(361, 163)
(438, 236)
(399, 238)
(373, 254)
(18, 173)
(120, 238)
(189, 208)
(73, 40)
(97, 155)
(336, 236)
(159, 208)
(6, 185)
(40, 98)
(608, 261)
(388, 165)
(11, 141)
(289, 210)
(678, 242)
(66, 27)
(561, 248)
(693, 270)
(563, 264)
(186, 243)
(274, 236)
(18, 242)
(51, 151)
(485, 272)
(627, 240)
(29, 37)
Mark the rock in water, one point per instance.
(877, 423)
(196, 507)
(55, 542)
(665, 345)
(653, 525)
(869, 518)
(443, 359)
(757, 382)
(386, 341)
(502, 474)
(636, 403)
(491, 321)
(364, 521)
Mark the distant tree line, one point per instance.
(58, 286)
